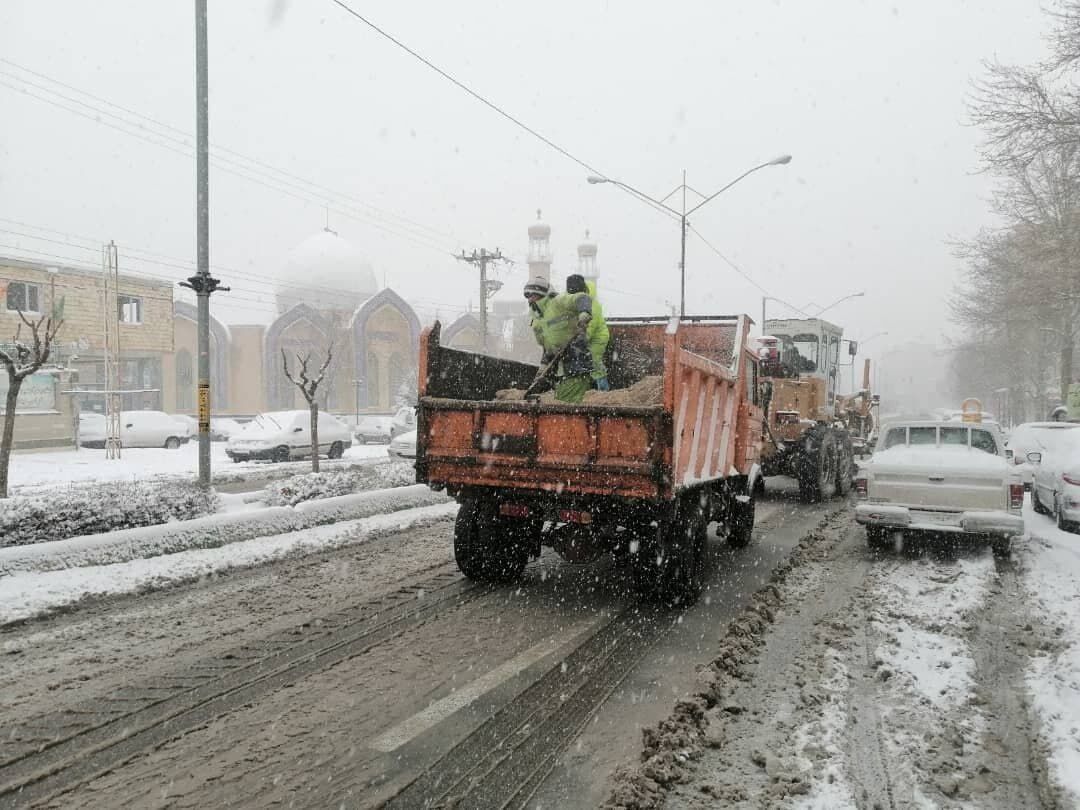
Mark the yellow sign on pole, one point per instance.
(204, 407)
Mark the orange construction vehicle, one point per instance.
(639, 479)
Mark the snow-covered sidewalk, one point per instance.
(26, 595)
(1052, 579)
(31, 472)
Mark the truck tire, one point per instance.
(741, 525)
(1037, 504)
(486, 547)
(845, 464)
(878, 539)
(817, 469)
(1001, 546)
(669, 567)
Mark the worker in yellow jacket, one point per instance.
(597, 333)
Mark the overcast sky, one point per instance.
(867, 96)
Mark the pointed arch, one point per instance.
(272, 372)
(384, 298)
(219, 360)
(464, 323)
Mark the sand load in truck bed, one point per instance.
(647, 391)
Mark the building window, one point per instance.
(130, 308)
(23, 296)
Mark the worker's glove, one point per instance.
(547, 358)
(583, 319)
(602, 384)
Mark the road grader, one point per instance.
(812, 433)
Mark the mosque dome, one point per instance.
(326, 272)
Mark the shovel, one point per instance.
(545, 371)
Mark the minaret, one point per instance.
(586, 253)
(540, 249)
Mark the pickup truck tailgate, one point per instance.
(947, 478)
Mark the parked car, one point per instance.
(1055, 489)
(1034, 437)
(940, 478)
(374, 429)
(404, 421)
(285, 435)
(190, 423)
(222, 428)
(403, 447)
(137, 429)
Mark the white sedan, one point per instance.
(286, 435)
(403, 447)
(1035, 437)
(1056, 486)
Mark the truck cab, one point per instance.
(809, 348)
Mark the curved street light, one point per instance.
(682, 213)
(839, 301)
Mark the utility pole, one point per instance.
(202, 282)
(111, 348)
(481, 259)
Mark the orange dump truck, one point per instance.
(642, 481)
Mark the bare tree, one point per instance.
(309, 387)
(20, 361)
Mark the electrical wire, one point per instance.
(742, 272)
(215, 146)
(230, 167)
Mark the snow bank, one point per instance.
(95, 508)
(208, 532)
(26, 595)
(1051, 577)
(35, 471)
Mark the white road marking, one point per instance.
(438, 711)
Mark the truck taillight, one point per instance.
(860, 488)
(1071, 478)
(518, 510)
(1016, 496)
(574, 516)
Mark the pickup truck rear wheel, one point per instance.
(1001, 547)
(487, 546)
(1036, 504)
(877, 538)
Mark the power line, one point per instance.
(219, 147)
(742, 272)
(464, 87)
(224, 164)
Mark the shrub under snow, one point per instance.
(330, 484)
(99, 508)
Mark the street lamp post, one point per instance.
(682, 213)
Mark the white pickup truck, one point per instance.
(940, 478)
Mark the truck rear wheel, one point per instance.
(845, 464)
(741, 526)
(487, 546)
(670, 565)
(817, 474)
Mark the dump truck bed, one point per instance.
(704, 427)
